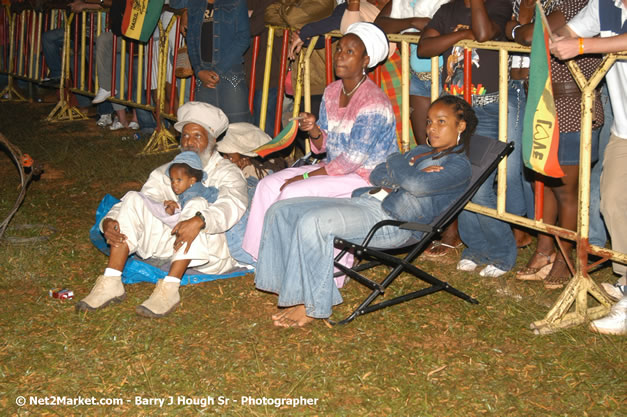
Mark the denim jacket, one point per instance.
(198, 190)
(420, 196)
(231, 34)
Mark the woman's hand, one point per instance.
(291, 180)
(170, 206)
(433, 168)
(307, 123)
(183, 25)
(186, 231)
(296, 44)
(209, 78)
(112, 233)
(564, 48)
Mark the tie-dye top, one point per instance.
(359, 136)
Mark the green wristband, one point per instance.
(305, 175)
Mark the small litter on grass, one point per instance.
(61, 293)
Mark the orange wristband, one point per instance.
(581, 47)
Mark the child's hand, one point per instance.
(170, 206)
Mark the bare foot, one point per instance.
(449, 242)
(295, 317)
(281, 313)
(523, 239)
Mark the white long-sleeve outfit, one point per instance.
(149, 237)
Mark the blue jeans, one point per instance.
(488, 240)
(271, 112)
(598, 232)
(296, 252)
(230, 95)
(520, 198)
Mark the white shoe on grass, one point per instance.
(104, 120)
(492, 271)
(163, 300)
(614, 323)
(466, 265)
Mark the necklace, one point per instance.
(350, 93)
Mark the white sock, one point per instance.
(171, 279)
(110, 272)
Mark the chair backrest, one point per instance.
(485, 155)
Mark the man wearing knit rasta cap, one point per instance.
(197, 240)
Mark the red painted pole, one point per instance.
(468, 75)
(253, 73)
(43, 57)
(192, 88)
(76, 37)
(281, 93)
(328, 63)
(130, 72)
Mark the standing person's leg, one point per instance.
(598, 233)
(104, 53)
(614, 197)
(488, 240)
(232, 95)
(52, 45)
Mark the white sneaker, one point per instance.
(117, 126)
(104, 120)
(613, 323)
(101, 96)
(107, 290)
(133, 125)
(492, 271)
(466, 265)
(162, 301)
(616, 291)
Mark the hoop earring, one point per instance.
(459, 136)
(429, 143)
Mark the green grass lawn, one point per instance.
(435, 356)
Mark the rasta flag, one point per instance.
(140, 18)
(282, 141)
(540, 129)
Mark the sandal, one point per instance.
(532, 273)
(555, 282)
(433, 252)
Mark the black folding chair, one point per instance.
(485, 155)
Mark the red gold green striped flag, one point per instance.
(541, 129)
(140, 18)
(282, 141)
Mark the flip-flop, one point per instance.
(437, 244)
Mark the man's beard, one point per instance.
(204, 155)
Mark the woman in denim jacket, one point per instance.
(296, 253)
(222, 80)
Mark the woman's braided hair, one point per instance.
(463, 111)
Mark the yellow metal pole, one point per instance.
(31, 58)
(98, 33)
(503, 91)
(405, 96)
(310, 48)
(263, 111)
(435, 78)
(82, 56)
(140, 72)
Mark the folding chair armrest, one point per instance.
(418, 227)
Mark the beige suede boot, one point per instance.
(107, 290)
(162, 301)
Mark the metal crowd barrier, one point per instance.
(22, 33)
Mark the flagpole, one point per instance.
(545, 20)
